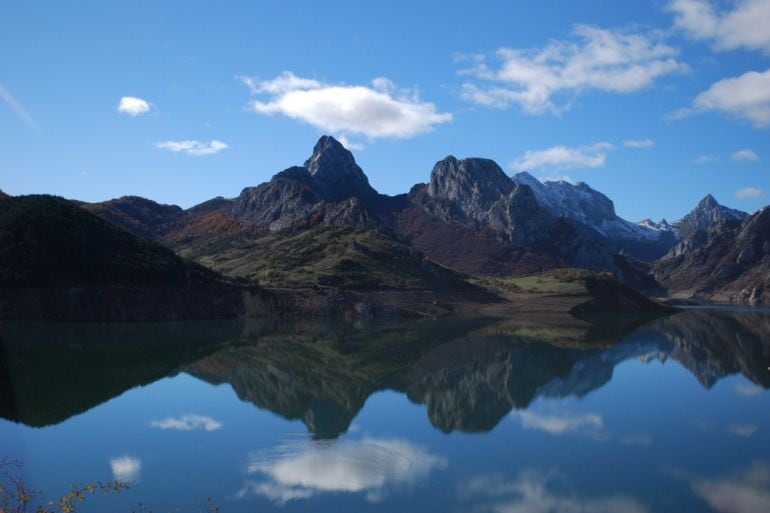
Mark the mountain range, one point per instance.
(323, 225)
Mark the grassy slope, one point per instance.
(342, 257)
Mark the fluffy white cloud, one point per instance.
(187, 422)
(126, 468)
(532, 492)
(745, 155)
(746, 96)
(563, 157)
(193, 148)
(748, 492)
(748, 193)
(639, 143)
(559, 424)
(745, 25)
(302, 470)
(133, 106)
(600, 59)
(380, 110)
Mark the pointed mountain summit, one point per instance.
(708, 214)
(329, 189)
(336, 176)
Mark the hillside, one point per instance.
(325, 256)
(47, 241)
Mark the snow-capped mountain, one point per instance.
(581, 203)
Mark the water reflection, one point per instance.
(301, 470)
(469, 374)
(547, 492)
(187, 422)
(127, 469)
(745, 492)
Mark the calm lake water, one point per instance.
(669, 415)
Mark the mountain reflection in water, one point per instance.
(469, 374)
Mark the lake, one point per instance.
(477, 415)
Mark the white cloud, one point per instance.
(559, 424)
(743, 430)
(745, 25)
(126, 468)
(133, 106)
(377, 111)
(193, 148)
(747, 389)
(748, 193)
(705, 159)
(639, 143)
(302, 470)
(746, 96)
(563, 157)
(748, 492)
(531, 492)
(596, 58)
(745, 155)
(187, 422)
(350, 145)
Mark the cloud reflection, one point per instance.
(561, 423)
(302, 470)
(534, 492)
(126, 468)
(748, 492)
(747, 389)
(187, 423)
(743, 430)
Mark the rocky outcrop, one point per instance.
(729, 262)
(330, 189)
(708, 215)
(476, 194)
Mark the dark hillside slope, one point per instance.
(45, 241)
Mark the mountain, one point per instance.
(470, 217)
(707, 215)
(138, 215)
(728, 262)
(330, 190)
(61, 262)
(3, 195)
(594, 210)
(477, 195)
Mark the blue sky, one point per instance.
(654, 103)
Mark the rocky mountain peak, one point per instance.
(706, 215)
(474, 182)
(336, 175)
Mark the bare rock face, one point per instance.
(706, 216)
(335, 174)
(474, 185)
(727, 262)
(477, 195)
(329, 189)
